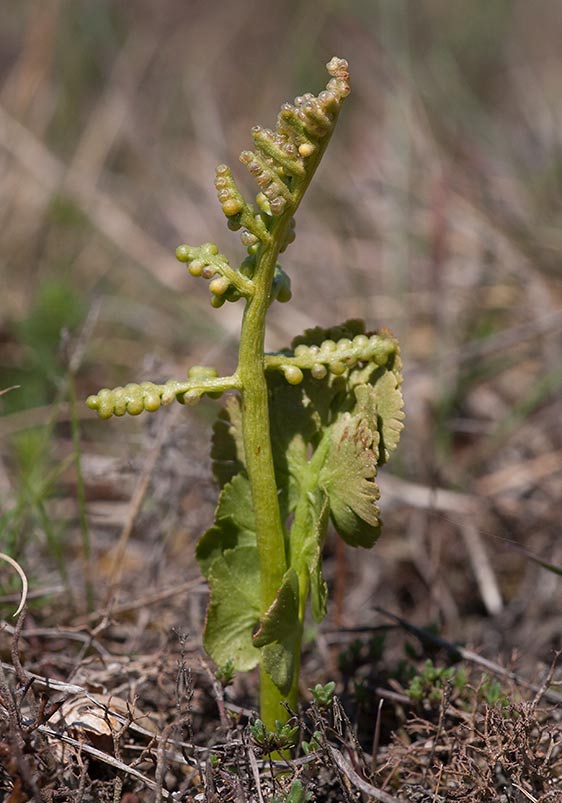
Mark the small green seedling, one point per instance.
(314, 744)
(303, 431)
(428, 687)
(430, 682)
(214, 760)
(324, 694)
(225, 674)
(282, 737)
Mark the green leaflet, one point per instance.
(278, 662)
(348, 478)
(388, 402)
(224, 535)
(234, 524)
(234, 608)
(228, 557)
(307, 538)
(280, 631)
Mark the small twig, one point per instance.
(184, 689)
(443, 705)
(116, 735)
(394, 696)
(528, 795)
(218, 692)
(377, 735)
(543, 688)
(21, 674)
(209, 782)
(354, 749)
(83, 779)
(438, 784)
(255, 772)
(161, 756)
(365, 787)
(118, 789)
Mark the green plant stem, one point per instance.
(272, 549)
(259, 459)
(256, 432)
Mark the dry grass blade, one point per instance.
(482, 568)
(24, 584)
(7, 390)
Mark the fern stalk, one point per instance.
(301, 442)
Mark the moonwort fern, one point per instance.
(299, 441)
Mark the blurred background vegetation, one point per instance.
(437, 212)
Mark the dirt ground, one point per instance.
(437, 212)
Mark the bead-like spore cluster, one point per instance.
(336, 357)
(133, 399)
(279, 162)
(282, 164)
(225, 283)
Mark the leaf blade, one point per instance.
(234, 608)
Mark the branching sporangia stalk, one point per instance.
(299, 441)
